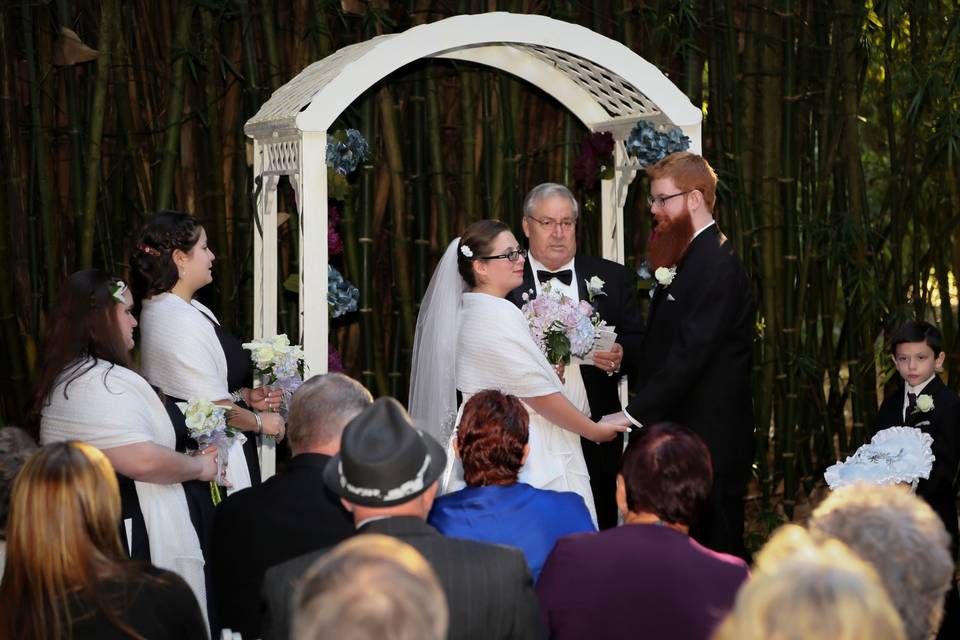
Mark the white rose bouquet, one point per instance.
(207, 424)
(279, 363)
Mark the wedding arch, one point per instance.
(602, 82)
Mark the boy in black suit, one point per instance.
(923, 401)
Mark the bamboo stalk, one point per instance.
(40, 163)
(438, 187)
(163, 193)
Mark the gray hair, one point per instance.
(371, 587)
(549, 190)
(903, 539)
(16, 446)
(322, 407)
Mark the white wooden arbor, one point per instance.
(602, 82)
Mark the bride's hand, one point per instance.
(607, 431)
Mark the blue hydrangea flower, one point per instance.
(345, 157)
(650, 146)
(342, 296)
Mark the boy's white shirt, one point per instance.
(917, 390)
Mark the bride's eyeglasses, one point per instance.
(513, 255)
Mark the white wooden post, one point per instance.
(314, 314)
(265, 282)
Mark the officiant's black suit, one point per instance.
(939, 490)
(695, 370)
(488, 587)
(619, 309)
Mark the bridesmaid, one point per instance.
(184, 349)
(87, 391)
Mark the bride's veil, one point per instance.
(433, 385)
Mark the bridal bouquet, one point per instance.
(207, 424)
(279, 363)
(560, 326)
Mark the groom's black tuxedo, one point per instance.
(696, 358)
(619, 309)
(943, 424)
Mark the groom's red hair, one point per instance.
(689, 171)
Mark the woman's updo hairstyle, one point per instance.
(154, 269)
(493, 431)
(476, 241)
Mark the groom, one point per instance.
(550, 215)
(698, 342)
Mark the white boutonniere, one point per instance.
(595, 287)
(924, 403)
(665, 275)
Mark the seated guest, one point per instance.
(903, 539)
(67, 575)
(386, 473)
(802, 589)
(88, 391)
(647, 578)
(371, 587)
(292, 512)
(15, 447)
(492, 444)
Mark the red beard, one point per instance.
(669, 240)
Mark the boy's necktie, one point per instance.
(911, 405)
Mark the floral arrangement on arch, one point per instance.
(650, 144)
(561, 327)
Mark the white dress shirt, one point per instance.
(916, 390)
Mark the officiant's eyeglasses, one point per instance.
(549, 225)
(662, 200)
(512, 256)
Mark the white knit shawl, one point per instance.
(109, 407)
(180, 353)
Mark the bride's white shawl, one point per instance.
(496, 351)
(181, 354)
(110, 407)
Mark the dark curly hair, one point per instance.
(479, 238)
(493, 431)
(667, 472)
(154, 270)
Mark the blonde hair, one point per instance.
(807, 589)
(903, 539)
(371, 587)
(62, 538)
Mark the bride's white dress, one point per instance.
(496, 351)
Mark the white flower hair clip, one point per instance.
(117, 290)
(467, 251)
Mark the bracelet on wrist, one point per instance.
(259, 423)
(237, 396)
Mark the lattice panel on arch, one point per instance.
(290, 99)
(281, 157)
(617, 96)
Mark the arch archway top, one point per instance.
(597, 78)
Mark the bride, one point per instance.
(469, 337)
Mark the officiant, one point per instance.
(550, 217)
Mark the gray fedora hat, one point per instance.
(384, 459)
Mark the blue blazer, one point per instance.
(517, 515)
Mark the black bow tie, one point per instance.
(565, 276)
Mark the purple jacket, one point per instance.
(637, 581)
